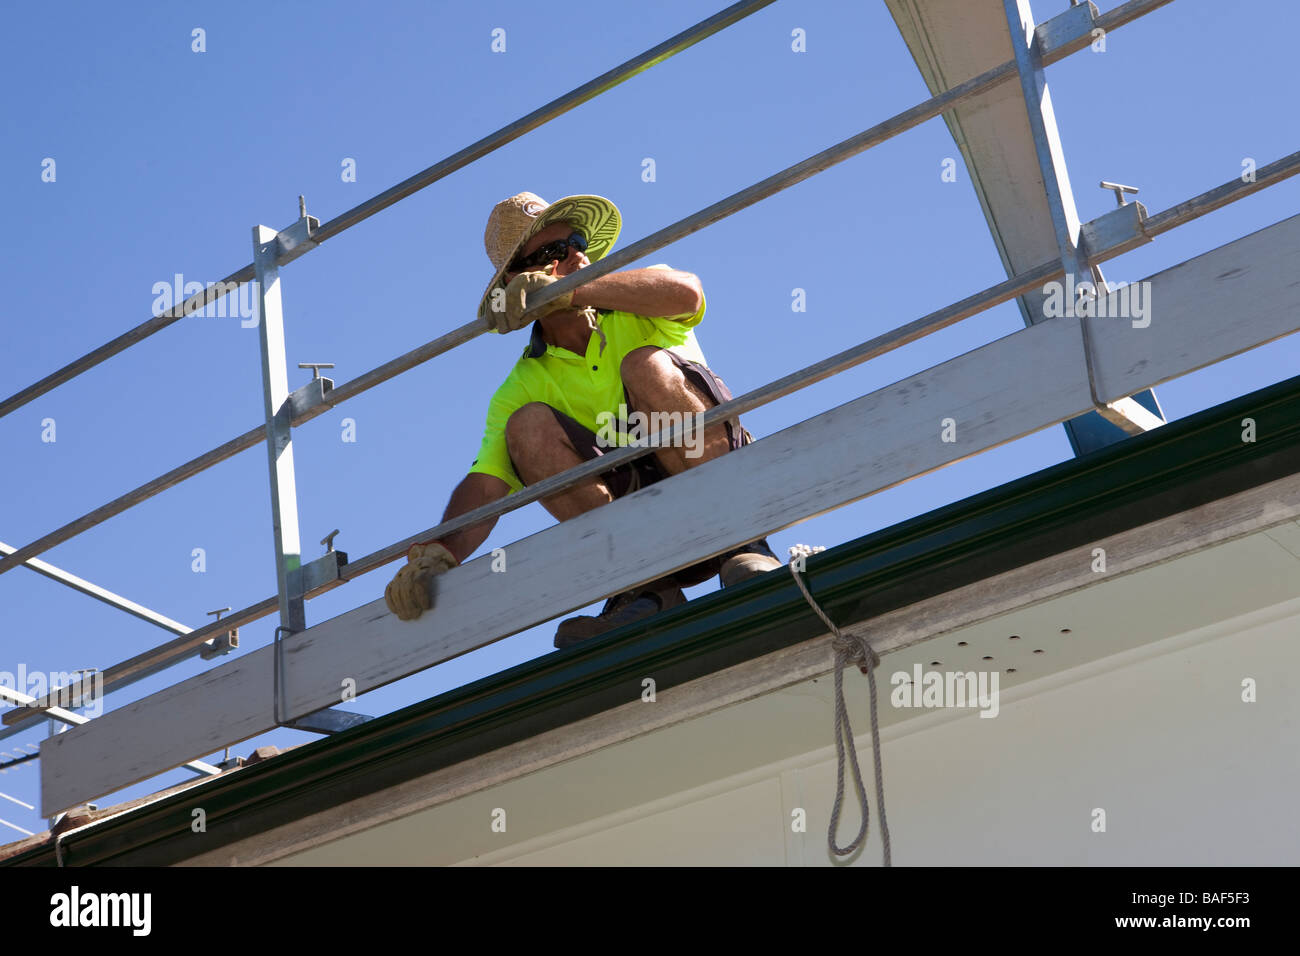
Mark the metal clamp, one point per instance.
(1115, 232)
(223, 643)
(1067, 32)
(312, 396)
(322, 574)
(296, 240)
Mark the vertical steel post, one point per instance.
(1047, 144)
(270, 250)
(279, 434)
(1060, 198)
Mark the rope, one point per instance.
(590, 314)
(849, 650)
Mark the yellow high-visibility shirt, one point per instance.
(580, 386)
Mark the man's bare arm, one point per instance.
(656, 292)
(474, 491)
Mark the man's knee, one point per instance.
(650, 371)
(646, 362)
(528, 425)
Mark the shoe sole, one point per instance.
(578, 629)
(732, 574)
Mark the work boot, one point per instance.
(747, 561)
(621, 609)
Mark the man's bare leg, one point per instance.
(540, 448)
(655, 384)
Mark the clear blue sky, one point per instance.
(166, 158)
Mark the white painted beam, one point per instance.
(1005, 390)
(18, 698)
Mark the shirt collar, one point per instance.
(537, 341)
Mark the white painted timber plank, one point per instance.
(1196, 308)
(1009, 388)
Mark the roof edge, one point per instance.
(1178, 466)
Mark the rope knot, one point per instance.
(854, 649)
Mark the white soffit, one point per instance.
(1119, 620)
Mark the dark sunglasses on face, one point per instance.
(559, 249)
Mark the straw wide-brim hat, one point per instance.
(516, 220)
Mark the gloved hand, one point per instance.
(521, 288)
(407, 595)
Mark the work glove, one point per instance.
(407, 595)
(521, 288)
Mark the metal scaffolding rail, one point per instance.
(557, 107)
(1082, 247)
(1059, 45)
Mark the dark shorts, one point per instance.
(646, 470)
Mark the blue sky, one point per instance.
(165, 159)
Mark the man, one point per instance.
(624, 339)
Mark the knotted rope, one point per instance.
(849, 650)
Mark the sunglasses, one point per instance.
(559, 249)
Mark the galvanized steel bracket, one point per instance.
(311, 396)
(220, 645)
(1117, 231)
(294, 241)
(317, 574)
(327, 720)
(1067, 32)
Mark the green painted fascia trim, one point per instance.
(1182, 464)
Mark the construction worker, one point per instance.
(625, 339)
